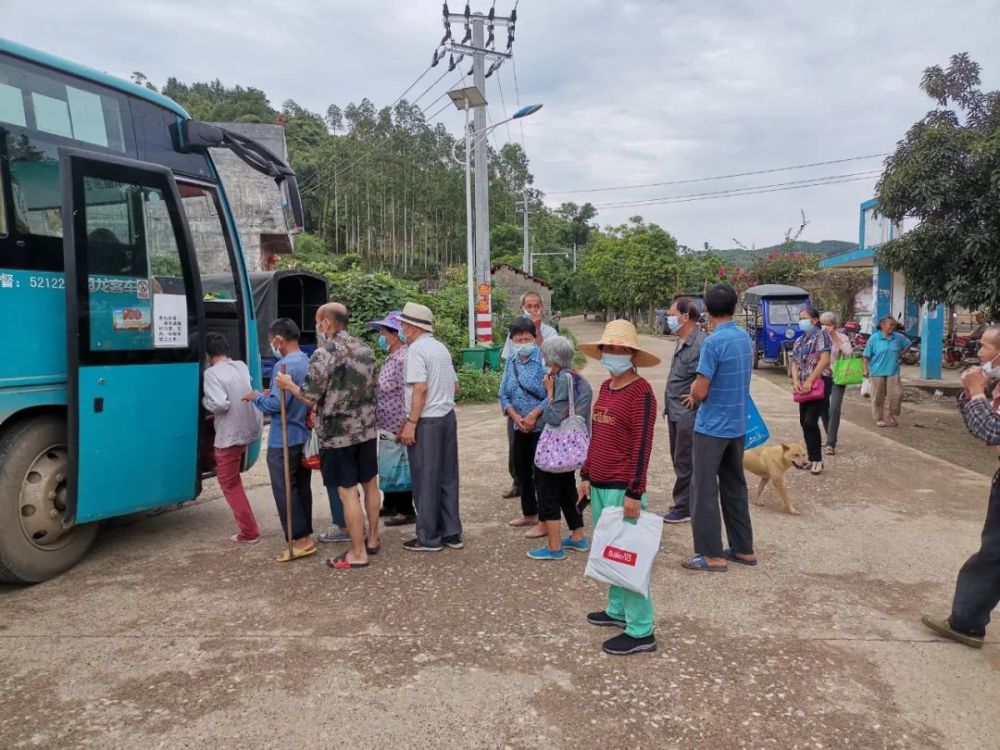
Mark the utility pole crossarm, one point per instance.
(468, 49)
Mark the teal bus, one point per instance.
(111, 211)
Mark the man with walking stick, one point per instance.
(287, 440)
(341, 383)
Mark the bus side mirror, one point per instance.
(193, 135)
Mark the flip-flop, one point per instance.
(297, 554)
(732, 557)
(535, 534)
(374, 550)
(342, 563)
(698, 562)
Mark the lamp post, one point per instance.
(466, 99)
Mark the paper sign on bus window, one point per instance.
(170, 329)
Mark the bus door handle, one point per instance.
(98, 405)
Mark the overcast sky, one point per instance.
(635, 91)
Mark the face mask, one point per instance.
(524, 350)
(617, 364)
(383, 343)
(989, 369)
(526, 314)
(805, 325)
(275, 352)
(320, 337)
(673, 323)
(402, 336)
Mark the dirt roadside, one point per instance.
(167, 636)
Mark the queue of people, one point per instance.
(410, 402)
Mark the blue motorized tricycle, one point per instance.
(772, 321)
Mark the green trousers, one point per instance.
(634, 609)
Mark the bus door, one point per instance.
(134, 324)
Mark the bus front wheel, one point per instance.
(35, 543)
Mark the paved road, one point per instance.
(166, 636)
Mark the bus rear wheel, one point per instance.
(35, 543)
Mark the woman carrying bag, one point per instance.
(811, 382)
(845, 373)
(562, 449)
(390, 410)
(614, 475)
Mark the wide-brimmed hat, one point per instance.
(419, 316)
(621, 333)
(390, 321)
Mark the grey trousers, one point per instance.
(831, 420)
(434, 474)
(718, 479)
(681, 441)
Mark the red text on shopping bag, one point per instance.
(623, 556)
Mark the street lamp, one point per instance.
(465, 99)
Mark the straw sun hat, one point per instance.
(621, 333)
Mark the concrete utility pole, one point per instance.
(481, 153)
(522, 206)
(479, 50)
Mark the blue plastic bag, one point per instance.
(757, 432)
(393, 465)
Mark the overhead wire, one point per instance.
(716, 177)
(752, 190)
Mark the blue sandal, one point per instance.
(698, 562)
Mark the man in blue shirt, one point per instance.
(722, 391)
(284, 339)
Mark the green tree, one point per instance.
(946, 174)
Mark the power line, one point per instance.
(718, 177)
(756, 190)
(517, 94)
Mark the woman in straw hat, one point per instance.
(614, 474)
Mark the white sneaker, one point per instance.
(236, 538)
(817, 467)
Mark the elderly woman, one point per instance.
(557, 491)
(523, 400)
(614, 475)
(397, 505)
(881, 358)
(841, 347)
(811, 365)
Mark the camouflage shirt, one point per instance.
(341, 381)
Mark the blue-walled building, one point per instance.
(889, 295)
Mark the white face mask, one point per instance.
(991, 370)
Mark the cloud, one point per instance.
(635, 91)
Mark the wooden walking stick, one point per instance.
(288, 469)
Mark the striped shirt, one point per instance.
(621, 438)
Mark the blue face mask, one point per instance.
(383, 343)
(276, 353)
(617, 364)
(524, 350)
(673, 323)
(402, 336)
(805, 325)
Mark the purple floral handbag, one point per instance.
(564, 448)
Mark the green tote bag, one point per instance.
(848, 371)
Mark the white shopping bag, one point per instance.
(621, 553)
(866, 387)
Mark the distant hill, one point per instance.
(823, 248)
